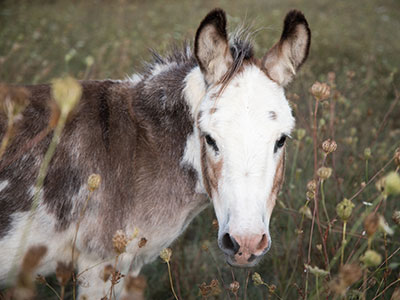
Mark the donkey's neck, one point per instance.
(194, 92)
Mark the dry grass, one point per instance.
(323, 247)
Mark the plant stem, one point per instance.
(323, 202)
(170, 281)
(366, 170)
(317, 286)
(343, 242)
(296, 153)
(315, 138)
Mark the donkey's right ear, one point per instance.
(211, 46)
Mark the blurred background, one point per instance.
(355, 49)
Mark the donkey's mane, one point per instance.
(182, 54)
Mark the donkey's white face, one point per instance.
(243, 134)
(242, 123)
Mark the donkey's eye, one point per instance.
(279, 143)
(211, 142)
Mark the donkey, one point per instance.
(207, 123)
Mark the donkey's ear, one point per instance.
(211, 46)
(284, 59)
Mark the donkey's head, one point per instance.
(243, 121)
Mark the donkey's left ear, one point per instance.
(284, 59)
(211, 46)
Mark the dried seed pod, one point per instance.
(257, 279)
(392, 184)
(371, 224)
(166, 254)
(320, 91)
(367, 153)
(396, 217)
(329, 146)
(234, 287)
(94, 182)
(67, 93)
(306, 211)
(324, 173)
(301, 133)
(120, 241)
(348, 275)
(371, 258)
(312, 186)
(344, 209)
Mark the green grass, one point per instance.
(42, 40)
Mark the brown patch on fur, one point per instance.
(278, 180)
(213, 110)
(211, 171)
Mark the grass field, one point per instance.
(355, 50)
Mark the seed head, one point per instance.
(344, 209)
(371, 258)
(371, 224)
(329, 146)
(312, 185)
(397, 157)
(396, 217)
(301, 133)
(320, 91)
(13, 100)
(257, 279)
(120, 241)
(215, 224)
(234, 287)
(310, 195)
(67, 93)
(324, 173)
(392, 184)
(384, 226)
(316, 271)
(166, 254)
(367, 153)
(41, 279)
(348, 275)
(94, 182)
(306, 211)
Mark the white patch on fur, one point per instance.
(3, 184)
(194, 92)
(160, 68)
(25, 232)
(134, 79)
(246, 136)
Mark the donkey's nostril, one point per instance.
(263, 244)
(229, 244)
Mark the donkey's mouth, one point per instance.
(245, 262)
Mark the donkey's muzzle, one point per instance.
(244, 251)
